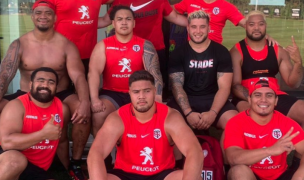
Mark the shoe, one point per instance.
(76, 173)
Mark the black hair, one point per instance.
(44, 69)
(141, 75)
(117, 8)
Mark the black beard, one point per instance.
(43, 98)
(257, 38)
(43, 29)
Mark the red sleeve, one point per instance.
(104, 2)
(167, 8)
(233, 14)
(238, 47)
(234, 135)
(181, 7)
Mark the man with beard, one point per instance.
(258, 140)
(31, 128)
(45, 47)
(145, 132)
(254, 59)
(201, 73)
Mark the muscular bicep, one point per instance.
(73, 62)
(11, 119)
(98, 59)
(285, 65)
(9, 65)
(177, 79)
(151, 64)
(224, 80)
(108, 135)
(236, 59)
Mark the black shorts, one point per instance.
(86, 66)
(285, 102)
(287, 175)
(33, 172)
(131, 176)
(118, 99)
(61, 95)
(202, 104)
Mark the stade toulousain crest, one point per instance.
(276, 133)
(157, 134)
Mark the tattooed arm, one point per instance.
(237, 89)
(151, 63)
(9, 66)
(177, 81)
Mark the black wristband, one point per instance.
(189, 113)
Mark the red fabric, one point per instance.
(35, 118)
(44, 3)
(213, 158)
(255, 86)
(244, 132)
(247, 83)
(144, 148)
(219, 12)
(260, 55)
(122, 59)
(149, 19)
(77, 21)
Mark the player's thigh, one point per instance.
(175, 175)
(112, 177)
(12, 160)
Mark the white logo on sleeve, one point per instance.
(126, 64)
(135, 8)
(147, 154)
(85, 12)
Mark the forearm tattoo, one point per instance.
(151, 64)
(9, 66)
(219, 74)
(177, 82)
(242, 90)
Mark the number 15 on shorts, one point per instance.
(207, 175)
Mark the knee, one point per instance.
(240, 172)
(14, 161)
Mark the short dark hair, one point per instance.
(44, 69)
(141, 75)
(117, 8)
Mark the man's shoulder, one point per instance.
(239, 118)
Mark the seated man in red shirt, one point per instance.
(145, 132)
(31, 127)
(258, 140)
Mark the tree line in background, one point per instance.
(285, 11)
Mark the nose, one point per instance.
(141, 95)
